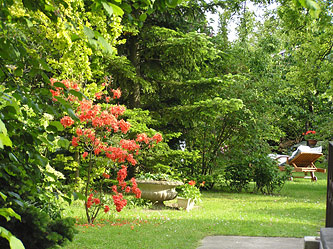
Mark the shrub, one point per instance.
(37, 230)
(267, 176)
(238, 175)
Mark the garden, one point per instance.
(145, 124)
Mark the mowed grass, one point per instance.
(297, 211)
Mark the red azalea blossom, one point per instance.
(98, 95)
(116, 93)
(67, 121)
(107, 176)
(114, 189)
(85, 154)
(97, 201)
(89, 204)
(128, 189)
(75, 141)
(106, 209)
(192, 183)
(79, 132)
(142, 138)
(122, 173)
(158, 137)
(124, 126)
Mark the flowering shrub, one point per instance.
(190, 191)
(309, 135)
(98, 131)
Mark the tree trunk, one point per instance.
(133, 51)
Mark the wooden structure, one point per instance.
(304, 162)
(329, 201)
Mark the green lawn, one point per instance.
(298, 211)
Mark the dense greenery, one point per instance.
(222, 106)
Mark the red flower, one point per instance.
(85, 154)
(116, 93)
(75, 141)
(97, 201)
(158, 137)
(192, 183)
(114, 189)
(124, 126)
(142, 138)
(79, 132)
(89, 204)
(107, 176)
(106, 209)
(67, 121)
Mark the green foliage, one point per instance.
(267, 176)
(189, 191)
(7, 213)
(37, 230)
(238, 175)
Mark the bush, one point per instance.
(267, 175)
(37, 230)
(238, 175)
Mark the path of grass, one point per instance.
(298, 211)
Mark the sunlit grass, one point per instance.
(298, 211)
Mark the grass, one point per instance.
(298, 211)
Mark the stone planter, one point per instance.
(158, 191)
(184, 203)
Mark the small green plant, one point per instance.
(190, 191)
(155, 177)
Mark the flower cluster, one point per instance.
(118, 199)
(59, 90)
(92, 201)
(309, 135)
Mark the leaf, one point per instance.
(117, 10)
(76, 94)
(126, 7)
(79, 196)
(88, 32)
(105, 45)
(3, 196)
(171, 3)
(143, 17)
(43, 160)
(5, 140)
(13, 158)
(8, 212)
(3, 128)
(59, 84)
(75, 37)
(57, 125)
(13, 194)
(44, 65)
(72, 114)
(108, 8)
(64, 143)
(14, 242)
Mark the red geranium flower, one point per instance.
(192, 183)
